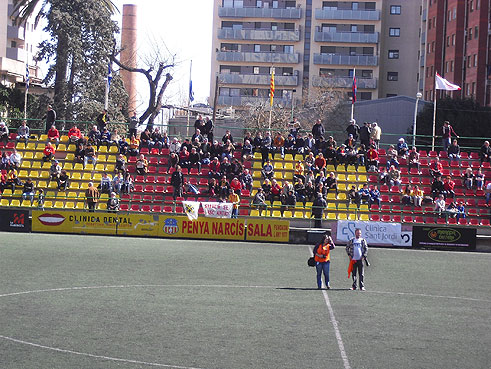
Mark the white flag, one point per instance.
(191, 209)
(218, 209)
(443, 84)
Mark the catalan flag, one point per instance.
(271, 92)
(353, 88)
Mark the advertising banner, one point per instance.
(268, 230)
(202, 228)
(217, 209)
(15, 221)
(95, 223)
(444, 237)
(376, 233)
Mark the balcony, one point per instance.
(16, 54)
(258, 35)
(344, 82)
(423, 38)
(251, 100)
(256, 79)
(260, 13)
(249, 57)
(422, 61)
(338, 59)
(367, 15)
(344, 37)
(15, 33)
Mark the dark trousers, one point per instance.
(358, 271)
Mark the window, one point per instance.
(392, 76)
(274, 27)
(275, 4)
(446, 67)
(475, 60)
(288, 49)
(451, 66)
(393, 54)
(476, 31)
(13, 44)
(473, 88)
(469, 63)
(394, 32)
(429, 23)
(257, 48)
(469, 34)
(365, 95)
(395, 9)
(259, 3)
(454, 13)
(366, 73)
(354, 28)
(290, 4)
(448, 41)
(471, 5)
(391, 95)
(255, 70)
(449, 15)
(235, 92)
(453, 39)
(273, 48)
(355, 5)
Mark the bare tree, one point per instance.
(157, 71)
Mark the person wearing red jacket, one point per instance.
(320, 163)
(322, 259)
(53, 135)
(436, 168)
(449, 186)
(275, 191)
(236, 185)
(74, 134)
(49, 152)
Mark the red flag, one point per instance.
(350, 267)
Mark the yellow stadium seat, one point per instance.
(298, 214)
(256, 184)
(362, 178)
(74, 185)
(257, 165)
(352, 216)
(276, 204)
(61, 148)
(43, 137)
(99, 167)
(342, 207)
(103, 149)
(256, 174)
(278, 175)
(341, 196)
(64, 138)
(364, 207)
(288, 157)
(331, 216)
(87, 176)
(84, 185)
(20, 146)
(71, 195)
(50, 195)
(362, 169)
(308, 205)
(36, 165)
(287, 214)
(113, 149)
(39, 155)
(17, 193)
(353, 207)
(288, 176)
(110, 168)
(25, 164)
(69, 205)
(341, 187)
(331, 206)
(7, 193)
(79, 205)
(111, 158)
(70, 157)
(351, 178)
(97, 177)
(59, 205)
(101, 158)
(31, 146)
(102, 206)
(351, 169)
(254, 213)
(42, 184)
(44, 174)
(4, 202)
(71, 147)
(46, 165)
(331, 195)
(52, 184)
(76, 176)
(278, 165)
(29, 155)
(330, 168)
(34, 174)
(288, 166)
(48, 204)
(342, 216)
(26, 203)
(341, 177)
(68, 166)
(257, 155)
(277, 156)
(364, 217)
(23, 174)
(15, 203)
(78, 166)
(298, 157)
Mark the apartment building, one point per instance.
(457, 47)
(314, 45)
(18, 46)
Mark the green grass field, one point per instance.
(207, 304)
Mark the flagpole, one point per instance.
(189, 97)
(434, 118)
(353, 98)
(25, 96)
(106, 96)
(27, 73)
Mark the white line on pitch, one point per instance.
(94, 356)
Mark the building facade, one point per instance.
(314, 45)
(457, 47)
(18, 46)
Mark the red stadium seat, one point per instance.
(374, 207)
(463, 221)
(147, 199)
(443, 154)
(408, 219)
(140, 179)
(132, 159)
(432, 154)
(179, 210)
(123, 207)
(150, 179)
(245, 193)
(205, 172)
(161, 180)
(194, 172)
(162, 170)
(452, 221)
(485, 222)
(165, 152)
(386, 218)
(138, 188)
(374, 217)
(419, 219)
(474, 155)
(464, 155)
(135, 207)
(396, 219)
(474, 222)
(144, 151)
(146, 208)
(159, 189)
(430, 220)
(153, 160)
(441, 221)
(414, 172)
(167, 209)
(423, 154)
(385, 208)
(163, 161)
(149, 188)
(396, 199)
(203, 182)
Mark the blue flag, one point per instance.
(27, 77)
(191, 93)
(109, 76)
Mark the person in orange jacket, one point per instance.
(322, 259)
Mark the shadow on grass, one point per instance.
(311, 289)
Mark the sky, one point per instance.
(184, 28)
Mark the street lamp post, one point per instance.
(419, 95)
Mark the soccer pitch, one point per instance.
(105, 302)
